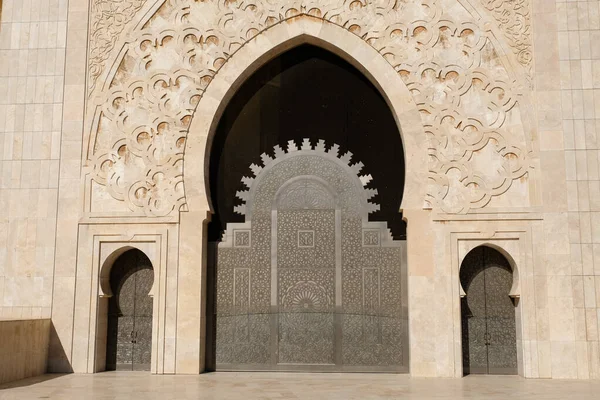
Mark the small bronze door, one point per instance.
(488, 314)
(130, 313)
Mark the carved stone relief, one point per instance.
(467, 95)
(312, 293)
(514, 19)
(109, 19)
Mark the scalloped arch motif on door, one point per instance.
(462, 82)
(307, 280)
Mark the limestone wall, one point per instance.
(32, 63)
(23, 349)
(573, 282)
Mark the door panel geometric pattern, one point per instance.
(488, 314)
(313, 284)
(129, 343)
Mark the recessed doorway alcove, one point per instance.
(489, 333)
(319, 277)
(129, 325)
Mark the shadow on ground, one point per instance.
(30, 381)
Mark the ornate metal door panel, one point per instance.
(307, 282)
(500, 313)
(488, 314)
(126, 323)
(130, 314)
(142, 343)
(474, 331)
(306, 286)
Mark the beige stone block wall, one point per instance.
(567, 249)
(23, 349)
(68, 215)
(32, 63)
(578, 26)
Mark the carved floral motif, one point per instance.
(514, 19)
(109, 18)
(467, 98)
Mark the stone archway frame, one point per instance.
(189, 274)
(99, 246)
(515, 246)
(269, 44)
(505, 248)
(191, 228)
(256, 52)
(109, 253)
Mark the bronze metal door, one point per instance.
(130, 314)
(488, 314)
(307, 282)
(306, 255)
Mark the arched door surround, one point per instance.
(277, 40)
(249, 58)
(489, 339)
(121, 266)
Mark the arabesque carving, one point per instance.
(514, 19)
(109, 18)
(467, 97)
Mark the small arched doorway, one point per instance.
(489, 343)
(129, 336)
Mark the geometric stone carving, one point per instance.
(318, 295)
(241, 238)
(467, 93)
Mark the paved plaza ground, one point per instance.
(232, 386)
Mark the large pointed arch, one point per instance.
(273, 42)
(255, 53)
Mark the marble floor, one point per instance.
(232, 386)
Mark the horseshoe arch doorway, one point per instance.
(129, 328)
(489, 336)
(307, 249)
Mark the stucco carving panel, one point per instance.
(467, 97)
(108, 20)
(514, 20)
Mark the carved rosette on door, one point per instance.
(307, 282)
